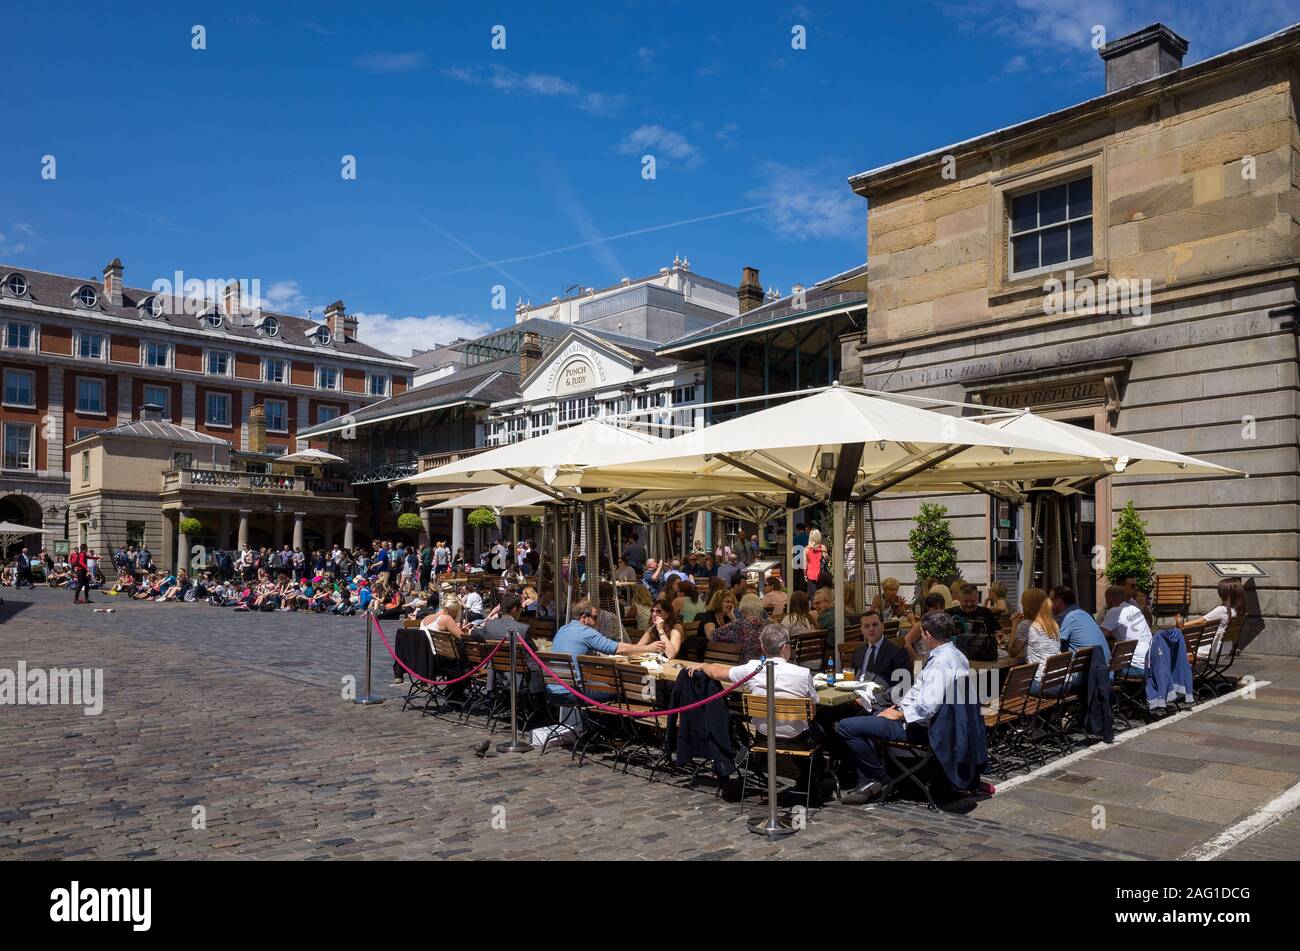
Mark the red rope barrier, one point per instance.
(433, 683)
(627, 713)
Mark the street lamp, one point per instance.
(396, 502)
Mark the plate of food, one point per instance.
(850, 684)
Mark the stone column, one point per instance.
(426, 527)
(297, 529)
(277, 533)
(243, 527)
(348, 521)
(54, 421)
(169, 528)
(187, 412)
(789, 551)
(457, 530)
(182, 543)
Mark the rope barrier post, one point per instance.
(515, 745)
(368, 698)
(772, 826)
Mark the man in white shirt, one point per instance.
(791, 680)
(1125, 621)
(944, 665)
(472, 603)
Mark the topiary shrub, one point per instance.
(933, 553)
(191, 526)
(1130, 550)
(482, 517)
(410, 522)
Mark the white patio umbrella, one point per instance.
(836, 443)
(507, 499)
(547, 464)
(310, 456)
(1101, 455)
(11, 532)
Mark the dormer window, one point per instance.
(152, 307)
(211, 318)
(269, 327)
(15, 285)
(320, 336)
(86, 296)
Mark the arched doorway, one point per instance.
(22, 510)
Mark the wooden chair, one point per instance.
(1066, 711)
(1009, 725)
(845, 652)
(809, 648)
(718, 652)
(1051, 687)
(599, 678)
(788, 709)
(502, 672)
(565, 707)
(419, 689)
(1209, 672)
(899, 640)
(477, 696)
(638, 692)
(1121, 656)
(449, 662)
(1171, 595)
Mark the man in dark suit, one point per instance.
(876, 658)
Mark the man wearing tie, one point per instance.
(877, 659)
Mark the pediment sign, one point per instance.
(577, 368)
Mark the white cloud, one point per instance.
(809, 203)
(282, 297)
(538, 84)
(663, 144)
(393, 62)
(1016, 64)
(18, 247)
(726, 134)
(402, 335)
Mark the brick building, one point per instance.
(77, 356)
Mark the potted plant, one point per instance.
(410, 522)
(934, 554)
(1130, 550)
(482, 517)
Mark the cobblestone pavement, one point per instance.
(243, 715)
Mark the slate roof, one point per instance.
(57, 290)
(160, 429)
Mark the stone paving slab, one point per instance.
(242, 715)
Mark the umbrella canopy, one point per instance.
(1109, 455)
(555, 460)
(503, 499)
(11, 528)
(309, 456)
(837, 442)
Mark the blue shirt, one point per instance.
(576, 638)
(945, 665)
(1079, 630)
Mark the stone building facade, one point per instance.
(1170, 207)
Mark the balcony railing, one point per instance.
(443, 458)
(227, 480)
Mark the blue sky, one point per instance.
(478, 167)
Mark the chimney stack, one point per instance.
(750, 292)
(1146, 54)
(342, 325)
(151, 411)
(530, 353)
(231, 299)
(113, 282)
(257, 428)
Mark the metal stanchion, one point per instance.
(773, 825)
(368, 697)
(515, 745)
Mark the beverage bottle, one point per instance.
(830, 672)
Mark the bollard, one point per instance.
(515, 745)
(368, 698)
(773, 825)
